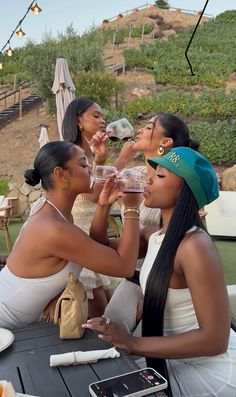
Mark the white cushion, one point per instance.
(221, 215)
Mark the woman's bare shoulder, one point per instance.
(198, 249)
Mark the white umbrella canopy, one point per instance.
(64, 90)
(43, 134)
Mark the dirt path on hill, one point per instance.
(19, 142)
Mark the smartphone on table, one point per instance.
(132, 384)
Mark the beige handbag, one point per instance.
(72, 309)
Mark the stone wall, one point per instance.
(26, 194)
(229, 179)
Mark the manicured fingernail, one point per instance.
(87, 326)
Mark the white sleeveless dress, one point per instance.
(22, 300)
(198, 376)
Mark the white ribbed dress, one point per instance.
(198, 376)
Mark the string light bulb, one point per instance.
(36, 9)
(9, 51)
(20, 33)
(1, 65)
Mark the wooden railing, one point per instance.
(10, 98)
(147, 5)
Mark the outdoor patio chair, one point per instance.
(221, 215)
(5, 211)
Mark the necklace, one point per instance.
(59, 212)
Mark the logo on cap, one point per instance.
(174, 157)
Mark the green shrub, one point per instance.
(137, 31)
(162, 4)
(213, 103)
(13, 66)
(217, 140)
(102, 87)
(4, 188)
(120, 36)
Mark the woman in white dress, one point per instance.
(83, 125)
(186, 331)
(50, 245)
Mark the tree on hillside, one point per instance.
(162, 4)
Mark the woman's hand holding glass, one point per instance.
(99, 147)
(110, 193)
(126, 154)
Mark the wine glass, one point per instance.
(132, 180)
(103, 172)
(119, 130)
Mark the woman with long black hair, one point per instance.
(84, 125)
(186, 332)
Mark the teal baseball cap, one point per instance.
(195, 169)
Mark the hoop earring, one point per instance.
(65, 184)
(160, 151)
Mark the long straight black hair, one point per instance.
(185, 215)
(70, 129)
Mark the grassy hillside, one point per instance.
(212, 54)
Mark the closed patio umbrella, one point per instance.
(64, 90)
(43, 134)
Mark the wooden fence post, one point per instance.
(20, 102)
(14, 88)
(130, 34)
(142, 33)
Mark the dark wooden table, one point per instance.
(26, 363)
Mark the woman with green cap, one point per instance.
(160, 134)
(186, 332)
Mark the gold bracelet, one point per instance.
(132, 217)
(135, 210)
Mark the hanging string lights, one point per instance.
(9, 51)
(36, 9)
(20, 33)
(18, 30)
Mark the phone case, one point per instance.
(132, 384)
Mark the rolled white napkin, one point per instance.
(80, 357)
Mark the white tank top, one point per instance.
(179, 315)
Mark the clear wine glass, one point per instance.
(132, 180)
(119, 130)
(103, 172)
